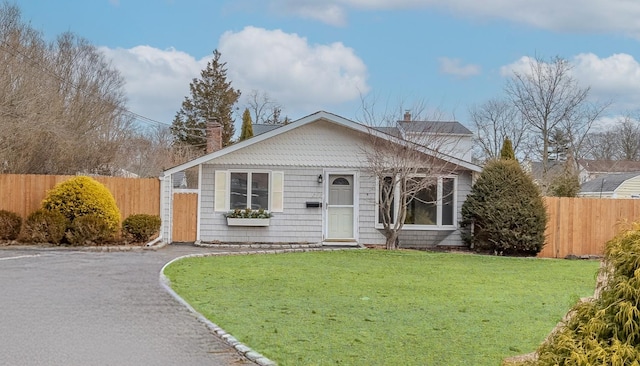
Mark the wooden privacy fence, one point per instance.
(578, 226)
(23, 193)
(582, 226)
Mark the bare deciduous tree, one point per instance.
(620, 141)
(548, 97)
(628, 132)
(62, 104)
(409, 167)
(264, 109)
(493, 122)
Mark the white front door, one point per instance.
(340, 207)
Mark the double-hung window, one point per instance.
(248, 189)
(433, 207)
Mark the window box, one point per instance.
(236, 221)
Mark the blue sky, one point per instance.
(313, 55)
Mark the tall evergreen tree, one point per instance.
(247, 128)
(212, 97)
(507, 150)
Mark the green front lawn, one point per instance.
(375, 307)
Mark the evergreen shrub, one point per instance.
(88, 230)
(565, 185)
(606, 330)
(80, 196)
(141, 227)
(10, 225)
(504, 213)
(44, 226)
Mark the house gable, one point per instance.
(313, 118)
(316, 144)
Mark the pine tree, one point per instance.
(559, 144)
(507, 150)
(212, 97)
(504, 211)
(247, 128)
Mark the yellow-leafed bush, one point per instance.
(82, 196)
(605, 331)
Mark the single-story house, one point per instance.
(312, 175)
(626, 185)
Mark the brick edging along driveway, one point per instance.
(247, 250)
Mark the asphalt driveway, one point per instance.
(60, 307)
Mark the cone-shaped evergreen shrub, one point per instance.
(507, 153)
(81, 196)
(605, 331)
(504, 211)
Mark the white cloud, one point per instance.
(297, 74)
(156, 80)
(615, 78)
(332, 14)
(616, 16)
(522, 66)
(454, 66)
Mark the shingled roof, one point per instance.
(447, 127)
(260, 128)
(610, 166)
(607, 183)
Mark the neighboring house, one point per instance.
(592, 169)
(587, 169)
(625, 185)
(312, 175)
(535, 168)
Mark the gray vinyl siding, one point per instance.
(166, 213)
(296, 224)
(299, 224)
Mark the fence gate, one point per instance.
(185, 216)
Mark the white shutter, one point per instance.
(277, 190)
(221, 195)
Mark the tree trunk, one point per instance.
(392, 240)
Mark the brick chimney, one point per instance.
(407, 116)
(214, 135)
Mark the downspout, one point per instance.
(154, 241)
(160, 237)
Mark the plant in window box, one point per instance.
(248, 217)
